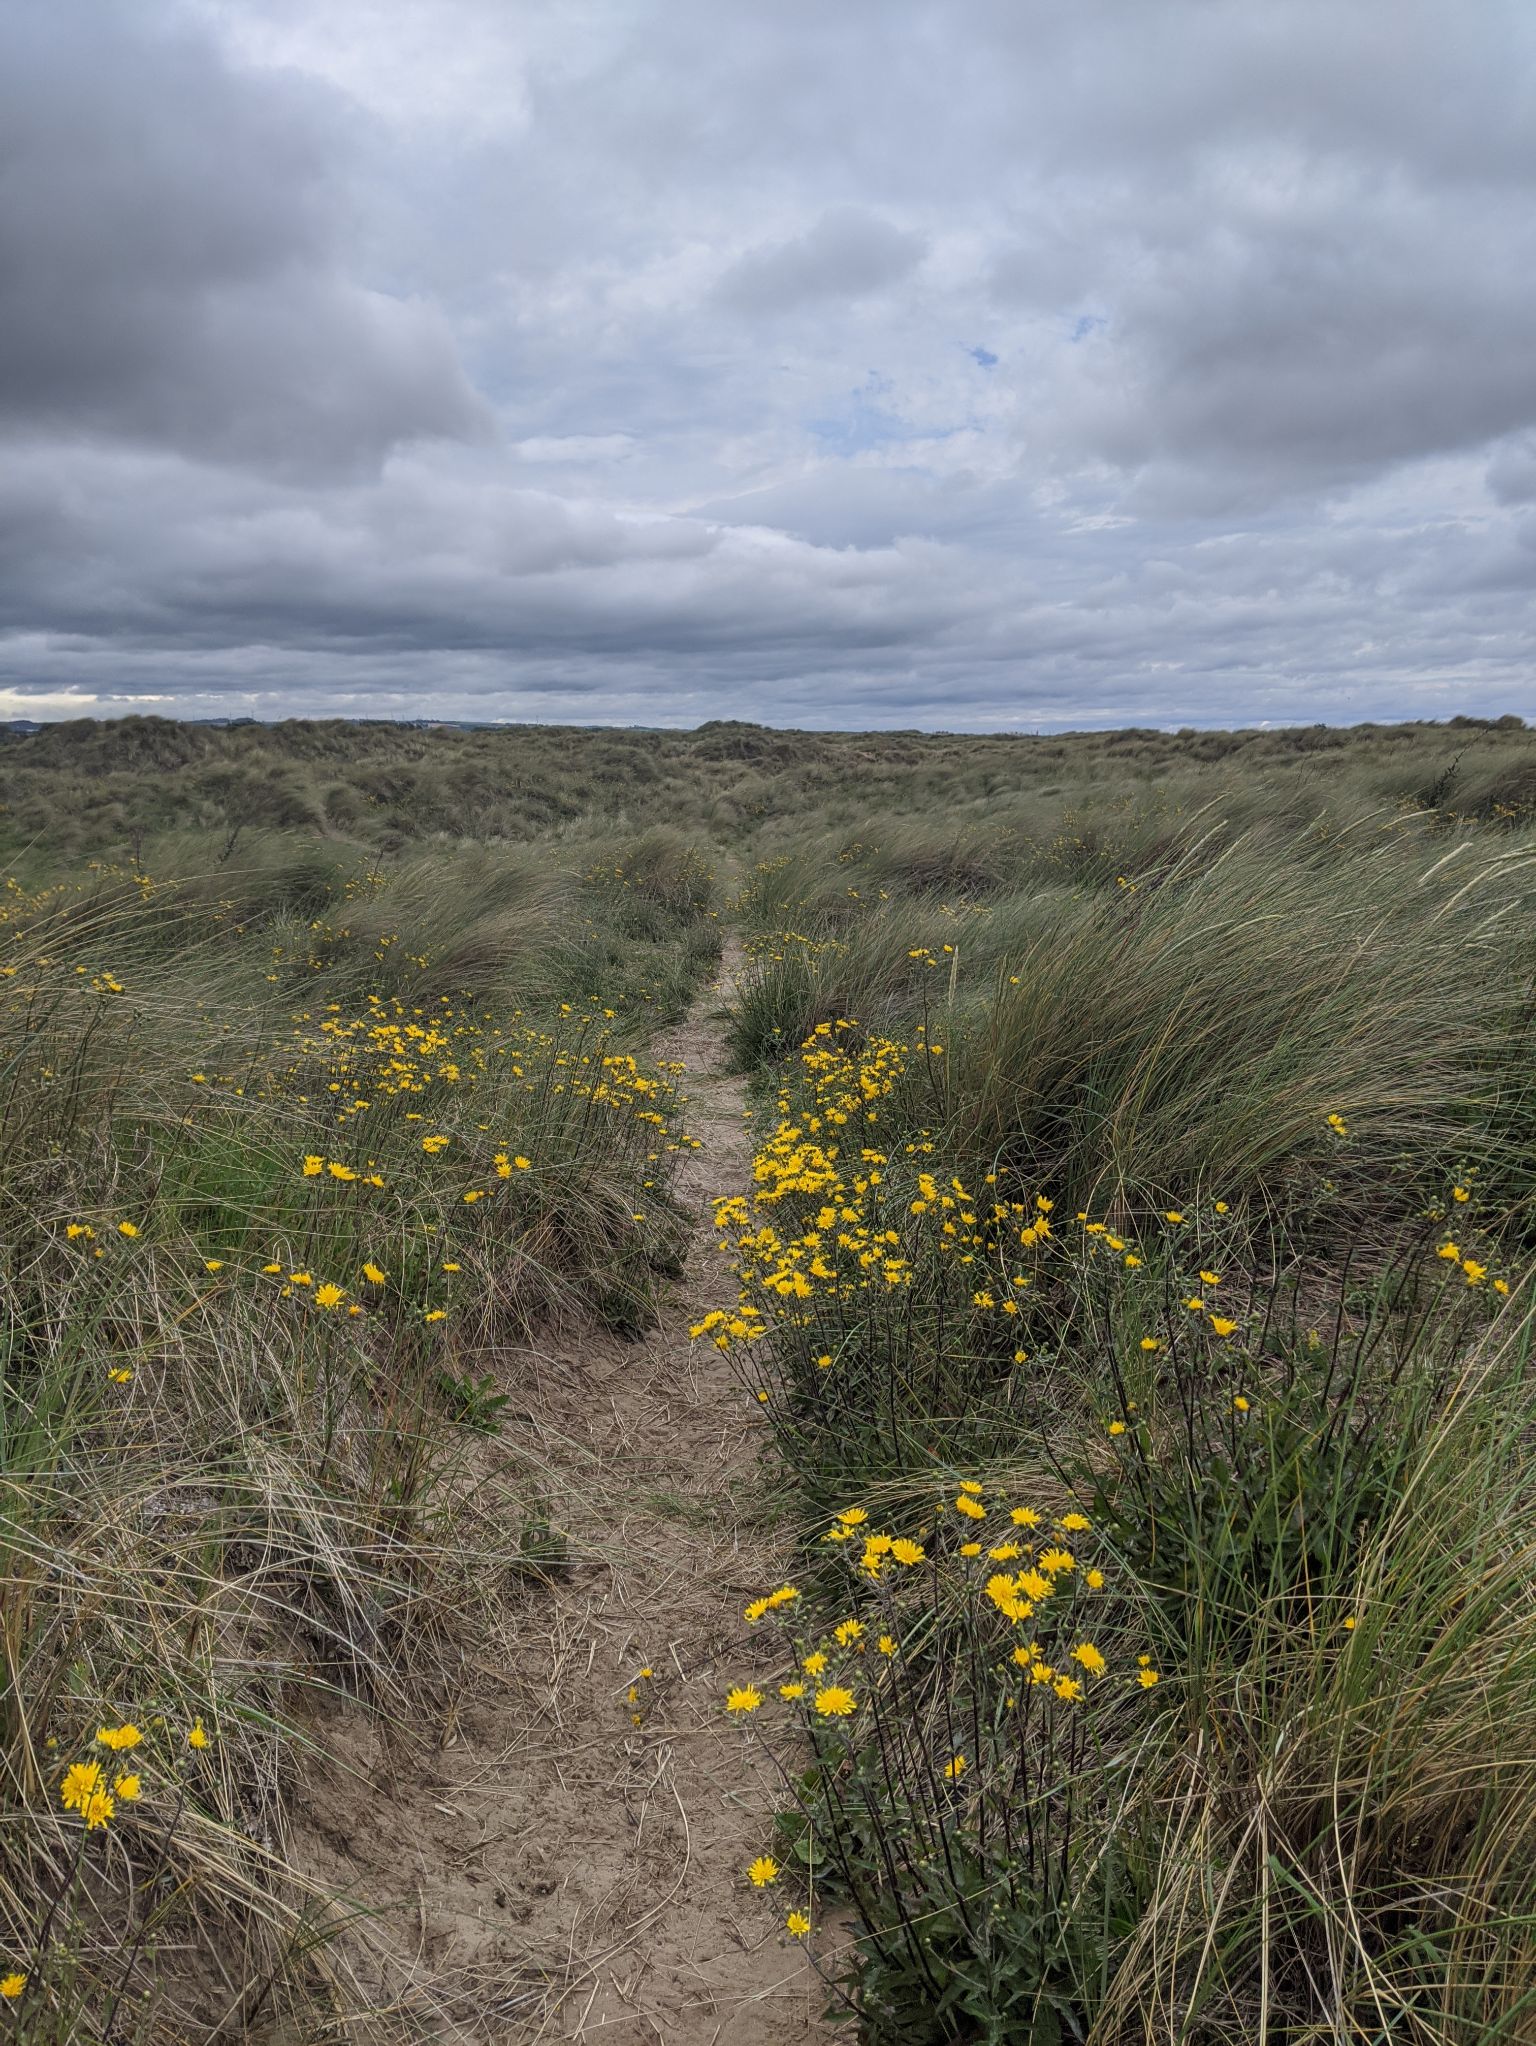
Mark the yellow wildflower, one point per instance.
(81, 1780)
(743, 1698)
(98, 1810)
(797, 1925)
(835, 1701)
(763, 1871)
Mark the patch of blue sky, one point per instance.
(866, 422)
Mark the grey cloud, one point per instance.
(434, 558)
(847, 253)
(1258, 442)
(1320, 348)
(170, 268)
(1512, 472)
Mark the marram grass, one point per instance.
(1177, 1677)
(1132, 1276)
(265, 1232)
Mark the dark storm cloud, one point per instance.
(169, 263)
(624, 363)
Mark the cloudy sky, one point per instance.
(999, 364)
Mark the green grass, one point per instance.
(1254, 1005)
(1268, 1089)
(294, 1156)
(940, 807)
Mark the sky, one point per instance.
(965, 364)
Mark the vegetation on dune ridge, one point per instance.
(93, 785)
(1133, 1280)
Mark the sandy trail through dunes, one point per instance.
(565, 1875)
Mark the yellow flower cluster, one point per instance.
(859, 1219)
(404, 1079)
(1473, 1270)
(838, 1220)
(1031, 1606)
(1010, 1561)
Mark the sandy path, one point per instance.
(577, 1877)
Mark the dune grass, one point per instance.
(293, 1155)
(1133, 1279)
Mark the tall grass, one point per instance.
(1130, 1277)
(291, 1157)
(1144, 1254)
